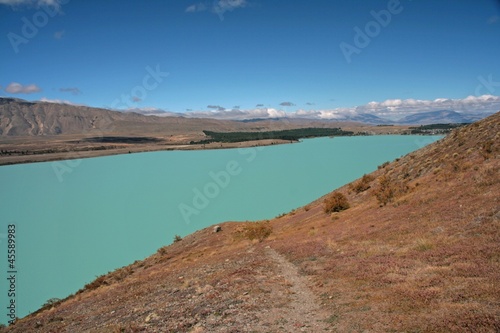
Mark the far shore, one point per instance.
(34, 149)
(66, 153)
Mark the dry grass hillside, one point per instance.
(415, 249)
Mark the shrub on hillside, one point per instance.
(51, 303)
(388, 190)
(383, 165)
(257, 230)
(99, 281)
(384, 193)
(336, 202)
(363, 184)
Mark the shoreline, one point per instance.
(36, 149)
(111, 150)
(61, 152)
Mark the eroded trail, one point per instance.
(303, 313)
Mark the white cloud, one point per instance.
(222, 6)
(149, 111)
(236, 114)
(36, 3)
(398, 108)
(56, 101)
(17, 88)
(388, 110)
(199, 7)
(392, 109)
(218, 7)
(191, 9)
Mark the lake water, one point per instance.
(77, 219)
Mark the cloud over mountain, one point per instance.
(17, 88)
(57, 101)
(397, 108)
(390, 110)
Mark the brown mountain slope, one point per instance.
(417, 251)
(22, 118)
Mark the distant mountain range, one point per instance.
(414, 118)
(439, 117)
(422, 118)
(20, 117)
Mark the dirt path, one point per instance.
(303, 313)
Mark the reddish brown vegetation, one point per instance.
(335, 203)
(362, 185)
(256, 230)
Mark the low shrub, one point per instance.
(388, 190)
(383, 165)
(99, 281)
(363, 184)
(257, 230)
(51, 302)
(385, 192)
(336, 202)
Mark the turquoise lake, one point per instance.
(77, 219)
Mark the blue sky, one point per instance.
(218, 55)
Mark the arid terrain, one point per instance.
(40, 131)
(412, 247)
